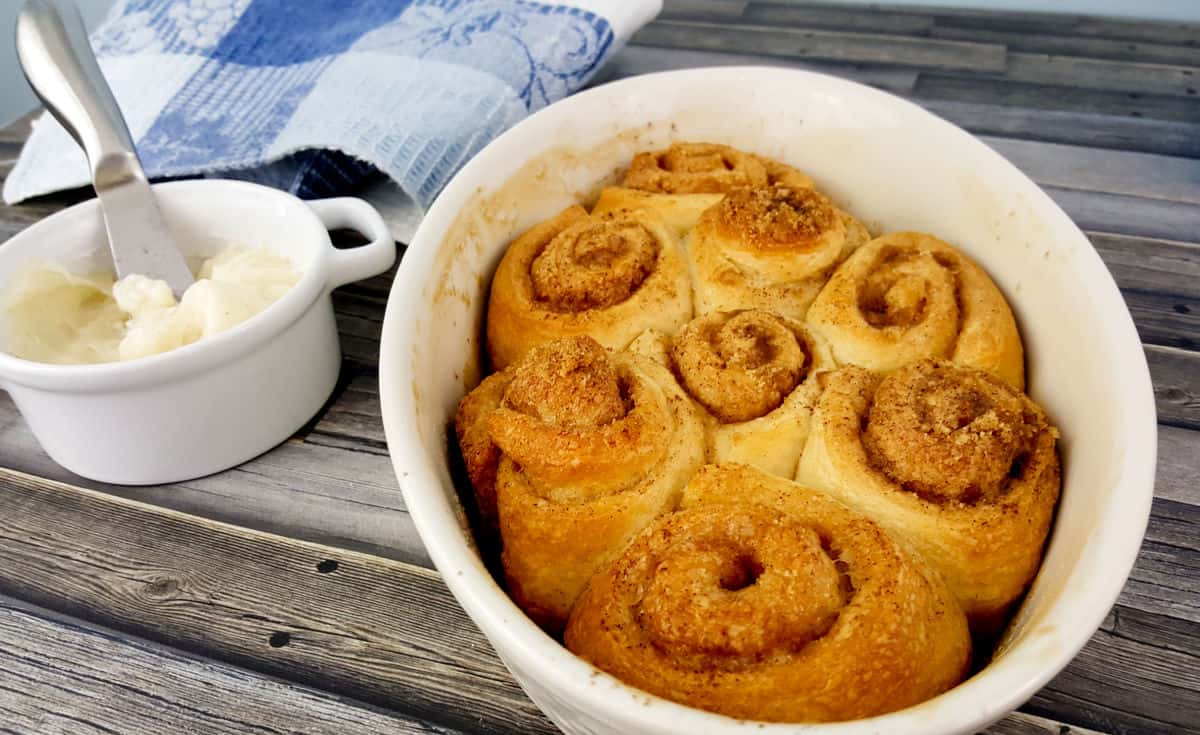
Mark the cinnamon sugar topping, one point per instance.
(740, 365)
(950, 433)
(777, 218)
(593, 265)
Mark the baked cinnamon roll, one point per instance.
(590, 447)
(707, 168)
(680, 212)
(907, 296)
(952, 460)
(765, 600)
(769, 248)
(609, 277)
(754, 375)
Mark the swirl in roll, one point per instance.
(754, 374)
(769, 248)
(907, 296)
(590, 448)
(609, 277)
(954, 461)
(707, 168)
(765, 600)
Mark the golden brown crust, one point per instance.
(680, 212)
(480, 455)
(609, 277)
(707, 168)
(771, 248)
(765, 600)
(754, 374)
(953, 461)
(592, 448)
(907, 296)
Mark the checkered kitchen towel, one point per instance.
(311, 95)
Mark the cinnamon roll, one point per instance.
(591, 448)
(762, 599)
(952, 460)
(680, 212)
(769, 248)
(609, 277)
(707, 168)
(907, 296)
(754, 374)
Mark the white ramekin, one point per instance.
(897, 167)
(215, 403)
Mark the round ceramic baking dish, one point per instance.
(898, 168)
(217, 402)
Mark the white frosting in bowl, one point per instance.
(54, 316)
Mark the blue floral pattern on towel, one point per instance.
(256, 65)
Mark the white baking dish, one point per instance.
(215, 403)
(895, 166)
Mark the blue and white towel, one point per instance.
(311, 96)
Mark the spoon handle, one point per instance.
(57, 59)
(54, 52)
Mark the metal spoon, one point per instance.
(57, 59)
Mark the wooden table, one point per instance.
(292, 594)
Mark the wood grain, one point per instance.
(1096, 48)
(1098, 129)
(638, 59)
(827, 45)
(1128, 173)
(357, 624)
(1070, 98)
(59, 678)
(835, 18)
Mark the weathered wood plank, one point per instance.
(1021, 723)
(1178, 465)
(63, 676)
(1128, 215)
(339, 495)
(1142, 134)
(1007, 92)
(1096, 48)
(1113, 172)
(635, 59)
(1185, 34)
(828, 45)
(356, 624)
(1150, 264)
(703, 9)
(1117, 76)
(360, 627)
(836, 18)
(1176, 376)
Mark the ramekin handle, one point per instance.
(364, 261)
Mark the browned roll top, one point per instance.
(706, 168)
(594, 264)
(740, 365)
(950, 435)
(953, 460)
(775, 218)
(728, 588)
(573, 423)
(762, 599)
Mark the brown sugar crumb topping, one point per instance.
(568, 383)
(738, 583)
(896, 292)
(949, 433)
(695, 168)
(776, 218)
(593, 265)
(739, 365)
